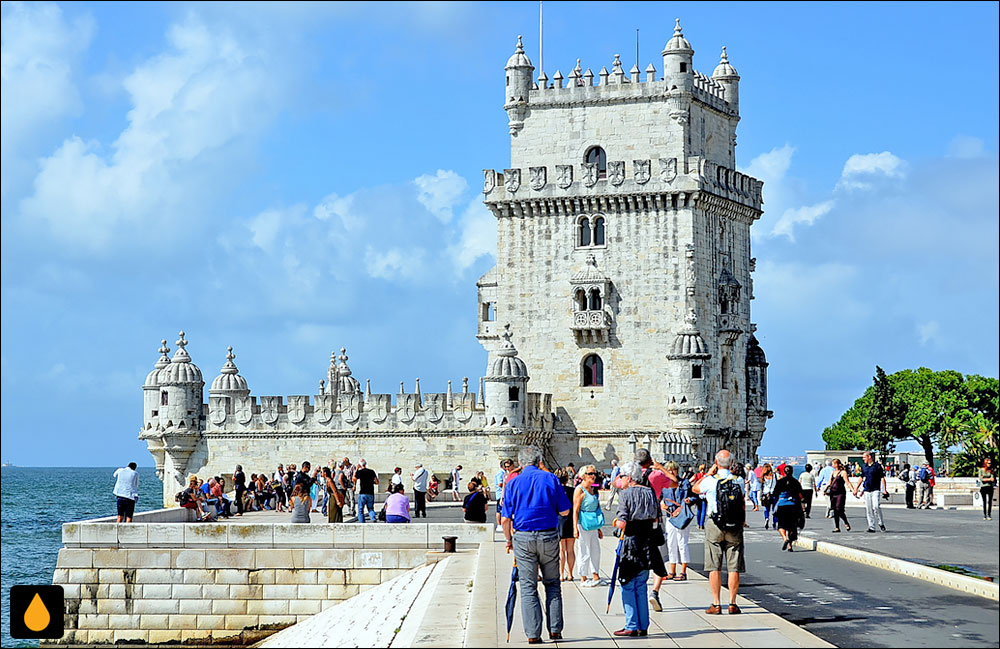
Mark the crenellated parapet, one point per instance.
(624, 178)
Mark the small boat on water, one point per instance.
(8, 464)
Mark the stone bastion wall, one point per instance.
(162, 579)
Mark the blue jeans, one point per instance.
(533, 550)
(635, 603)
(366, 500)
(752, 495)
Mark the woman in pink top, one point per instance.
(397, 506)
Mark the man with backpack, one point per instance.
(726, 513)
(924, 486)
(909, 477)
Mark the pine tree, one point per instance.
(887, 416)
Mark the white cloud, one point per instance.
(806, 215)
(477, 236)
(188, 105)
(393, 263)
(340, 207)
(966, 146)
(861, 169)
(40, 48)
(928, 331)
(441, 192)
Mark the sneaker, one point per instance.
(882, 527)
(871, 530)
(836, 530)
(654, 601)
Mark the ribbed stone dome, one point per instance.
(518, 59)
(689, 343)
(507, 365)
(153, 378)
(229, 379)
(678, 43)
(724, 69)
(180, 370)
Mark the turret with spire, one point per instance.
(518, 84)
(727, 76)
(678, 70)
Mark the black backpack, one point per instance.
(730, 512)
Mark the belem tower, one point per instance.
(617, 315)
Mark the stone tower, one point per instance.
(623, 257)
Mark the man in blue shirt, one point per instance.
(533, 502)
(873, 485)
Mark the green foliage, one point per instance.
(886, 415)
(936, 409)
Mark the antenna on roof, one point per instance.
(636, 47)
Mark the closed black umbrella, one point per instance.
(614, 572)
(511, 599)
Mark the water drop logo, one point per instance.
(37, 617)
(36, 612)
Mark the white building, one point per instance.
(621, 293)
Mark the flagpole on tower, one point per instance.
(541, 57)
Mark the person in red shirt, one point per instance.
(656, 478)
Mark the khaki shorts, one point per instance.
(719, 544)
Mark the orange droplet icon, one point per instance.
(36, 616)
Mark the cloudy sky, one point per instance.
(293, 178)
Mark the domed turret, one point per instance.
(181, 387)
(505, 387)
(229, 382)
(151, 389)
(726, 75)
(688, 372)
(347, 384)
(677, 61)
(519, 71)
(755, 355)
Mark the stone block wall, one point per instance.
(227, 583)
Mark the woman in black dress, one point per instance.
(787, 498)
(840, 482)
(567, 535)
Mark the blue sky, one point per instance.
(293, 178)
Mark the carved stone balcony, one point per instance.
(591, 326)
(730, 327)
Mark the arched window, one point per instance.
(599, 231)
(584, 238)
(595, 300)
(595, 154)
(513, 393)
(581, 300)
(164, 401)
(593, 371)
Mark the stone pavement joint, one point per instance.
(683, 622)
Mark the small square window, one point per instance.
(696, 371)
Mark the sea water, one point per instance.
(36, 502)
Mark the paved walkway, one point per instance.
(683, 622)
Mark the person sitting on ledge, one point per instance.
(190, 498)
(397, 506)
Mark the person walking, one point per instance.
(923, 480)
(588, 519)
(349, 472)
(753, 487)
(723, 530)
(615, 472)
(532, 505)
(638, 519)
(126, 491)
(840, 482)
(456, 479)
(872, 485)
(788, 507)
(823, 483)
(702, 510)
(567, 549)
(678, 503)
(419, 477)
(240, 485)
(767, 482)
(654, 478)
(987, 482)
(365, 481)
(808, 482)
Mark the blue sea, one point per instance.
(36, 502)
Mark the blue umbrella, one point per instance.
(614, 571)
(511, 599)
